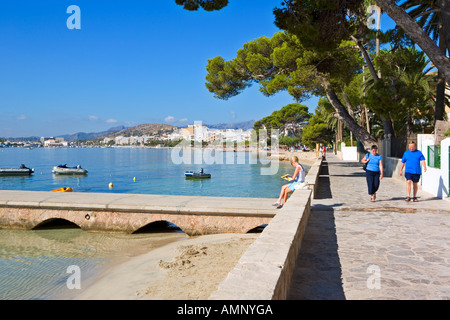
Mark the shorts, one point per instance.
(291, 186)
(297, 185)
(411, 176)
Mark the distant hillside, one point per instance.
(148, 129)
(90, 135)
(246, 125)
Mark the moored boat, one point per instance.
(21, 171)
(64, 169)
(197, 175)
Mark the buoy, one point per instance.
(110, 184)
(134, 179)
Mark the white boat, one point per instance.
(21, 171)
(64, 169)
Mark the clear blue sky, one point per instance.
(132, 62)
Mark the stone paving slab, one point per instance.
(356, 249)
(139, 202)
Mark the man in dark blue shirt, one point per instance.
(411, 162)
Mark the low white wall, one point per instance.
(435, 180)
(432, 182)
(349, 154)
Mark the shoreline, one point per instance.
(190, 270)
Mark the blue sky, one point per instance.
(132, 62)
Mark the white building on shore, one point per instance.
(54, 142)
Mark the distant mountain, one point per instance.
(246, 125)
(18, 139)
(90, 135)
(148, 129)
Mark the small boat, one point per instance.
(21, 171)
(197, 175)
(64, 169)
(65, 189)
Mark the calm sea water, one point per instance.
(154, 170)
(34, 263)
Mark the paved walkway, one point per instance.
(356, 249)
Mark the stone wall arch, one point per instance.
(55, 222)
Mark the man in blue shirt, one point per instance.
(411, 162)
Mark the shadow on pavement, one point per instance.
(317, 273)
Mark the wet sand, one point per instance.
(190, 269)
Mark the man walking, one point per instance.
(411, 162)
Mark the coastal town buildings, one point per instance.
(54, 142)
(198, 133)
(195, 132)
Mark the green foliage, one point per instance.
(321, 24)
(403, 93)
(293, 114)
(318, 130)
(207, 5)
(289, 141)
(282, 63)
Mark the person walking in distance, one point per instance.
(411, 163)
(374, 171)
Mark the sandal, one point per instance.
(407, 199)
(415, 199)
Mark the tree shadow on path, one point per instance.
(317, 273)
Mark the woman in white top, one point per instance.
(299, 176)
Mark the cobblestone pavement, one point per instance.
(355, 249)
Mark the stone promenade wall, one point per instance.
(265, 270)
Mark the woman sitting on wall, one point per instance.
(297, 178)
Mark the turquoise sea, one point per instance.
(157, 171)
(35, 264)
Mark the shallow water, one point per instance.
(35, 264)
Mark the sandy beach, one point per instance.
(304, 157)
(191, 269)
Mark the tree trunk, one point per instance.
(387, 123)
(360, 133)
(444, 6)
(440, 87)
(419, 36)
(366, 56)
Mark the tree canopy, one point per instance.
(292, 115)
(323, 51)
(283, 63)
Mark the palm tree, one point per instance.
(428, 16)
